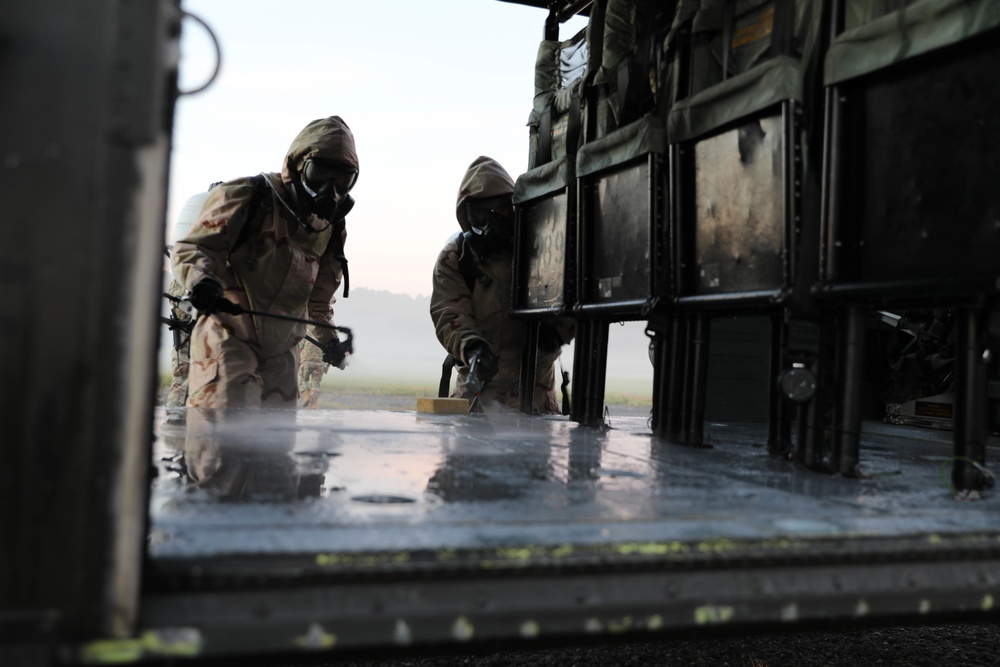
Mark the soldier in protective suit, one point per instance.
(272, 243)
(180, 356)
(472, 296)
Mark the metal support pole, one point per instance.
(687, 383)
(781, 447)
(970, 403)
(811, 434)
(590, 356)
(529, 360)
(674, 399)
(777, 409)
(660, 347)
(797, 451)
(664, 393)
(581, 378)
(598, 363)
(695, 426)
(847, 437)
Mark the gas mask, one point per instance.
(326, 183)
(491, 224)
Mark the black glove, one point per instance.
(207, 298)
(548, 339)
(488, 362)
(335, 353)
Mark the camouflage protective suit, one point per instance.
(311, 371)
(281, 268)
(461, 316)
(180, 355)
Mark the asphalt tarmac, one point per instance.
(962, 644)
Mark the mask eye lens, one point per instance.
(317, 172)
(345, 180)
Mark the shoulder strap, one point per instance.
(467, 266)
(543, 151)
(337, 241)
(247, 233)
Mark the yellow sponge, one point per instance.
(443, 406)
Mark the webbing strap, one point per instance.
(621, 83)
(249, 232)
(573, 123)
(543, 152)
(338, 238)
(468, 268)
(727, 35)
(633, 93)
(783, 28)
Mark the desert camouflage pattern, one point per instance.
(180, 357)
(240, 361)
(461, 316)
(224, 459)
(312, 368)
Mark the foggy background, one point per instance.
(424, 93)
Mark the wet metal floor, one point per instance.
(359, 481)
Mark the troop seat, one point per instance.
(629, 82)
(621, 245)
(913, 206)
(545, 202)
(545, 196)
(554, 124)
(622, 227)
(622, 184)
(910, 219)
(737, 195)
(589, 90)
(744, 238)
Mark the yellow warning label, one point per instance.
(753, 28)
(929, 409)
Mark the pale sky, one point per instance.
(426, 87)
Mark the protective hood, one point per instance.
(327, 138)
(484, 178)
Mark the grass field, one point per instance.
(353, 393)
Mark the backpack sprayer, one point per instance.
(334, 353)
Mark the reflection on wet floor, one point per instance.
(326, 481)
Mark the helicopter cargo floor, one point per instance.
(363, 528)
(403, 482)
